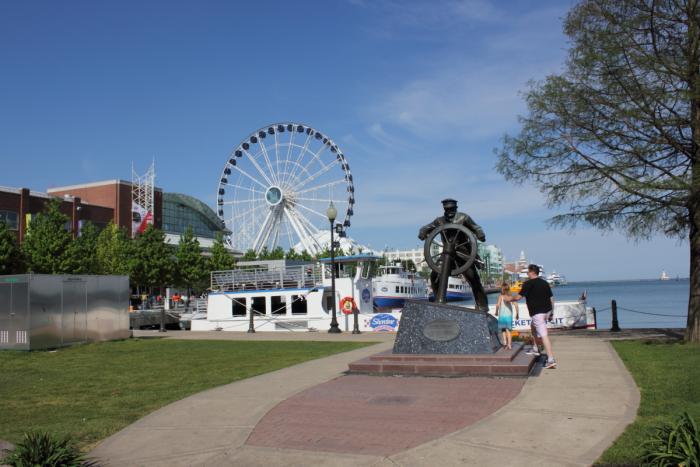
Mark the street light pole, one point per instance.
(332, 212)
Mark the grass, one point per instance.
(668, 378)
(91, 391)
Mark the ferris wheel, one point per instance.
(276, 186)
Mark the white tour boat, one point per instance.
(394, 285)
(458, 290)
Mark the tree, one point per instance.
(81, 255)
(277, 253)
(47, 240)
(614, 139)
(11, 260)
(305, 256)
(292, 255)
(153, 265)
(250, 255)
(220, 259)
(114, 251)
(191, 267)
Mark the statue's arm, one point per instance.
(426, 229)
(476, 228)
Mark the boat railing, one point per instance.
(291, 277)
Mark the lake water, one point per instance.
(648, 296)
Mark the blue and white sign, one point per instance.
(366, 295)
(383, 322)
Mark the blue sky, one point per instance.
(416, 94)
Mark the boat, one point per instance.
(516, 287)
(664, 276)
(555, 280)
(458, 290)
(394, 285)
(292, 296)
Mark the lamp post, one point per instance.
(332, 213)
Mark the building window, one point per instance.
(9, 218)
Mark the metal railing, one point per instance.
(292, 277)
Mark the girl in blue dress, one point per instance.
(504, 313)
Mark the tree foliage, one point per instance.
(154, 259)
(81, 254)
(250, 255)
(11, 259)
(114, 251)
(191, 270)
(47, 240)
(614, 140)
(220, 259)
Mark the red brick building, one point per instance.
(18, 205)
(113, 194)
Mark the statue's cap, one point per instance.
(449, 202)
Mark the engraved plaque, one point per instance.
(441, 330)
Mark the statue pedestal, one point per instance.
(444, 340)
(433, 328)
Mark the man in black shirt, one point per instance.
(540, 304)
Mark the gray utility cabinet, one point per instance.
(41, 311)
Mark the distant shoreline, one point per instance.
(597, 281)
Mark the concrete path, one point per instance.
(566, 416)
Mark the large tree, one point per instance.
(114, 251)
(11, 260)
(154, 260)
(190, 270)
(220, 259)
(614, 140)
(81, 255)
(47, 241)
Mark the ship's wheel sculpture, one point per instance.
(277, 184)
(449, 250)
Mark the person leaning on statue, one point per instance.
(471, 275)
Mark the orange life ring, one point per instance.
(347, 305)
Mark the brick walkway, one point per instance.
(380, 415)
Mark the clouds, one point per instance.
(470, 88)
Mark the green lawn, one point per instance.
(91, 391)
(668, 377)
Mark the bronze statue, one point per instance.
(451, 250)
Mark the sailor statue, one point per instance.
(455, 234)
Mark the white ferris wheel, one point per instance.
(277, 184)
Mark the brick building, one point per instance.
(18, 205)
(113, 194)
(110, 200)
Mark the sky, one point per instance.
(418, 95)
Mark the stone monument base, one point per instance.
(501, 363)
(435, 328)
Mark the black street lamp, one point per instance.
(332, 213)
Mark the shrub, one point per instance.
(43, 449)
(674, 444)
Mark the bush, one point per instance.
(43, 449)
(674, 444)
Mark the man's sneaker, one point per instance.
(534, 352)
(551, 364)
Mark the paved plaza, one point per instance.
(314, 414)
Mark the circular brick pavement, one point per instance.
(378, 415)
